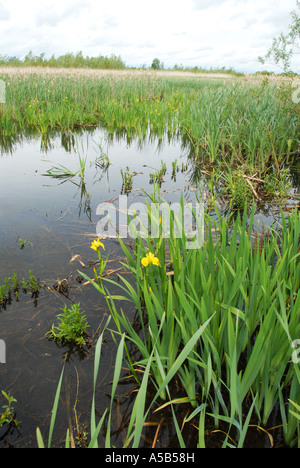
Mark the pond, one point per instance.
(47, 225)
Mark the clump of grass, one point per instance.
(72, 326)
(158, 176)
(33, 284)
(175, 169)
(127, 178)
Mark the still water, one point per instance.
(57, 219)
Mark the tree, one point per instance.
(284, 45)
(157, 64)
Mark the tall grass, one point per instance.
(235, 122)
(246, 294)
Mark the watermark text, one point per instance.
(2, 352)
(2, 92)
(296, 353)
(178, 220)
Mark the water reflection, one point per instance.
(58, 216)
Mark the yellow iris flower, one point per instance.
(150, 258)
(96, 244)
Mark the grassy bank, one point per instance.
(233, 120)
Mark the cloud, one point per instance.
(4, 13)
(208, 33)
(55, 14)
(203, 4)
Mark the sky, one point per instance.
(203, 33)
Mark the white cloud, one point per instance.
(4, 13)
(207, 33)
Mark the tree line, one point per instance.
(68, 60)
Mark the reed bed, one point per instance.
(234, 120)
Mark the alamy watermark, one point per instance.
(296, 353)
(2, 352)
(2, 92)
(296, 95)
(152, 220)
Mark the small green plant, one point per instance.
(23, 284)
(175, 169)
(3, 296)
(11, 287)
(15, 283)
(127, 177)
(7, 285)
(23, 243)
(72, 326)
(8, 416)
(158, 176)
(34, 287)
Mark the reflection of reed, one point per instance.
(8, 143)
(85, 202)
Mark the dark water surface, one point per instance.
(58, 218)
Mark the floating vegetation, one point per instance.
(60, 172)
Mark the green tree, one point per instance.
(284, 45)
(156, 64)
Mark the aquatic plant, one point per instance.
(127, 177)
(3, 296)
(246, 295)
(15, 283)
(33, 284)
(23, 243)
(8, 415)
(72, 326)
(11, 286)
(60, 172)
(233, 121)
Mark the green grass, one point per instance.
(233, 121)
(246, 294)
(216, 331)
(219, 319)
